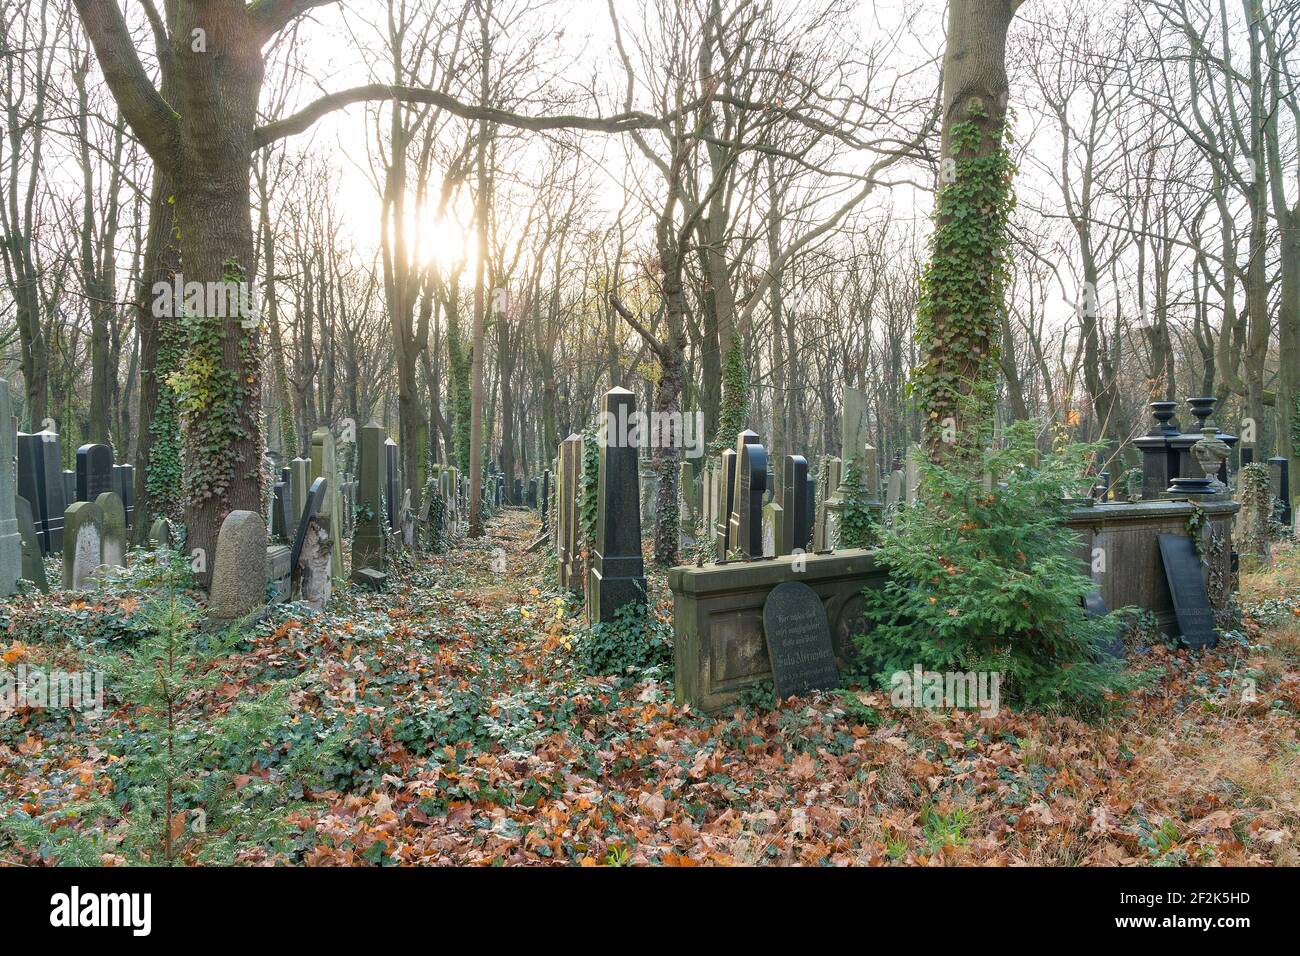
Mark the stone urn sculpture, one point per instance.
(1211, 452)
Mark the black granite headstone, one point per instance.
(94, 471)
(1279, 473)
(747, 519)
(616, 570)
(124, 485)
(280, 520)
(1187, 590)
(795, 514)
(798, 640)
(40, 481)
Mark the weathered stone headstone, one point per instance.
(314, 501)
(571, 573)
(616, 576)
(160, 533)
(11, 542)
(94, 471)
(112, 542)
(824, 530)
(532, 492)
(798, 636)
(239, 574)
(406, 518)
(279, 573)
(40, 481)
(315, 583)
(323, 466)
(83, 525)
(912, 474)
(368, 541)
(796, 519)
(33, 561)
(773, 530)
(1184, 573)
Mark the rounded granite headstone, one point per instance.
(798, 640)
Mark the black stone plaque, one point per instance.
(1187, 590)
(315, 499)
(798, 640)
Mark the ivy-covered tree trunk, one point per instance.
(959, 318)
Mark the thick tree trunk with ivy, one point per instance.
(959, 319)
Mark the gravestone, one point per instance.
(112, 542)
(279, 573)
(94, 471)
(1279, 473)
(314, 502)
(726, 501)
(517, 495)
(368, 541)
(859, 454)
(323, 466)
(280, 520)
(239, 574)
(83, 528)
(616, 576)
(824, 529)
(532, 492)
(33, 561)
(545, 502)
(124, 485)
(392, 483)
(40, 481)
(11, 542)
(315, 583)
(747, 515)
(1185, 577)
(798, 636)
(406, 518)
(69, 486)
(160, 533)
(571, 574)
(773, 530)
(299, 489)
(796, 519)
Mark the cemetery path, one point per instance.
(470, 733)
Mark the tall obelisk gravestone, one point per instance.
(617, 573)
(368, 540)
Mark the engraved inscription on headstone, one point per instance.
(798, 640)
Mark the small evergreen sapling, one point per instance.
(986, 579)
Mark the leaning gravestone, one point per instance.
(1183, 573)
(83, 527)
(798, 640)
(112, 545)
(94, 471)
(33, 562)
(239, 573)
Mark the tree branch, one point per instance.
(150, 118)
(382, 91)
